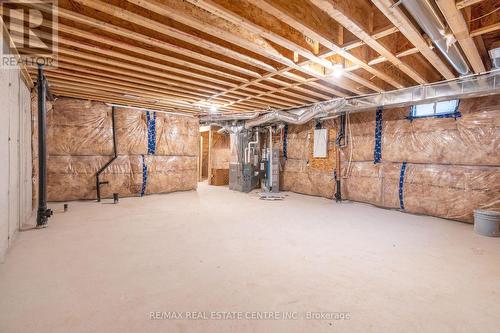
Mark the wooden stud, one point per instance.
(459, 28)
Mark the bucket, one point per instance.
(487, 222)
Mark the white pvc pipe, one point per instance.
(252, 143)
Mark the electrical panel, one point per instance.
(320, 143)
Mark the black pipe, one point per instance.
(43, 212)
(115, 155)
(340, 140)
(338, 193)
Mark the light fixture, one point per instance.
(337, 70)
(213, 109)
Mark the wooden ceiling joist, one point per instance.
(460, 29)
(312, 33)
(465, 3)
(406, 27)
(173, 32)
(247, 55)
(148, 40)
(339, 12)
(485, 30)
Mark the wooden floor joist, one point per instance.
(460, 29)
(399, 19)
(247, 55)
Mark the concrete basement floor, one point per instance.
(104, 267)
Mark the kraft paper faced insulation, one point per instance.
(452, 165)
(158, 155)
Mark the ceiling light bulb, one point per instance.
(337, 70)
(213, 108)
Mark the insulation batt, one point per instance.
(175, 135)
(453, 164)
(302, 173)
(451, 192)
(80, 142)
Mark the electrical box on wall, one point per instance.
(320, 143)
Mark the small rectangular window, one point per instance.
(435, 109)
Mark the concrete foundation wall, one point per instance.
(15, 156)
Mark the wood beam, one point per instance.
(167, 8)
(90, 67)
(172, 32)
(129, 34)
(399, 19)
(89, 90)
(182, 80)
(485, 30)
(221, 11)
(137, 89)
(59, 92)
(465, 3)
(228, 15)
(313, 33)
(339, 11)
(141, 79)
(458, 26)
(399, 55)
(149, 53)
(123, 88)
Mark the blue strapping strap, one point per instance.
(151, 124)
(144, 176)
(377, 153)
(401, 185)
(285, 141)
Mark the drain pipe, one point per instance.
(115, 155)
(43, 212)
(250, 144)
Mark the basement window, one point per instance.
(444, 109)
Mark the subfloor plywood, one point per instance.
(104, 267)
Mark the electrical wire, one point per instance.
(348, 169)
(487, 14)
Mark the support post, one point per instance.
(43, 212)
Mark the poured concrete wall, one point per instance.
(15, 156)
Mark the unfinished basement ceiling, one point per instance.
(241, 55)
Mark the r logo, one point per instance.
(32, 28)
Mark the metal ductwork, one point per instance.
(474, 85)
(425, 15)
(228, 117)
(297, 116)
